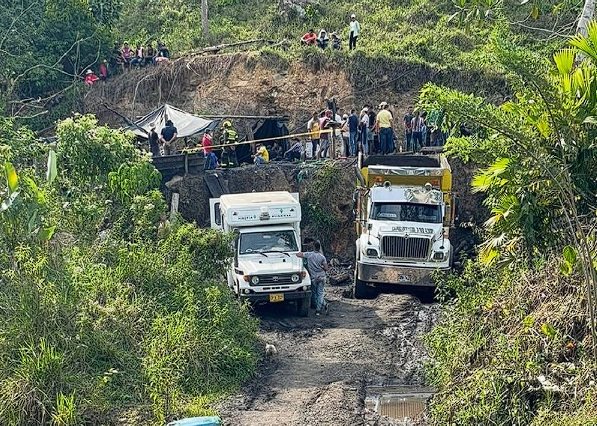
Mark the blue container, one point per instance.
(197, 421)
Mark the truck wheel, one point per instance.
(362, 290)
(302, 307)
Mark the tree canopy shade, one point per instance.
(45, 45)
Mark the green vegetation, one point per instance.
(107, 306)
(518, 343)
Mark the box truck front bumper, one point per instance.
(397, 275)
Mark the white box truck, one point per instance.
(268, 236)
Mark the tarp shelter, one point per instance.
(187, 124)
(270, 128)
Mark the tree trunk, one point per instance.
(586, 16)
(204, 25)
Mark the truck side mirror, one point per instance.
(369, 226)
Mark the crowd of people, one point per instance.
(374, 130)
(323, 40)
(123, 58)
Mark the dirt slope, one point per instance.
(324, 364)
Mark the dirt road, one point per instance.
(326, 364)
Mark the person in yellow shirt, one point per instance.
(384, 125)
(314, 131)
(262, 155)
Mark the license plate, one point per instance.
(273, 298)
(404, 279)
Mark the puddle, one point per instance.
(403, 403)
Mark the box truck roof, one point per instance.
(257, 198)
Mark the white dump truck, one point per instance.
(404, 209)
(268, 236)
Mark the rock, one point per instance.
(173, 184)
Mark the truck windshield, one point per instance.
(407, 212)
(267, 242)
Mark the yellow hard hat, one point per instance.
(227, 123)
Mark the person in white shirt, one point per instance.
(355, 30)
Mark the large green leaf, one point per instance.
(52, 169)
(11, 176)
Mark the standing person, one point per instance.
(168, 135)
(230, 138)
(325, 135)
(372, 133)
(353, 132)
(153, 139)
(417, 124)
(207, 142)
(355, 30)
(127, 55)
(424, 130)
(364, 124)
(315, 132)
(345, 136)
(408, 129)
(317, 266)
(103, 70)
(339, 142)
(385, 124)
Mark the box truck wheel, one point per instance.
(362, 290)
(302, 307)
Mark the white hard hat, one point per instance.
(89, 72)
(345, 116)
(353, 16)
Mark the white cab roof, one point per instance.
(260, 198)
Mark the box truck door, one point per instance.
(215, 216)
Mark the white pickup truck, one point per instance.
(268, 236)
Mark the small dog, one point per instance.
(270, 350)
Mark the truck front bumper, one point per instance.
(398, 275)
(266, 297)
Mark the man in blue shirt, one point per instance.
(317, 266)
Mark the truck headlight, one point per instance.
(295, 278)
(255, 280)
(371, 252)
(439, 256)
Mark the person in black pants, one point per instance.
(355, 29)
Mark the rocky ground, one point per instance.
(325, 364)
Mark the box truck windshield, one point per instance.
(267, 242)
(407, 212)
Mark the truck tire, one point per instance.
(362, 290)
(302, 307)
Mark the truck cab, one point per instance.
(404, 211)
(267, 233)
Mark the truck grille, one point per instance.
(407, 248)
(275, 279)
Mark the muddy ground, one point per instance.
(325, 364)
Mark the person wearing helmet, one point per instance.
(230, 138)
(355, 30)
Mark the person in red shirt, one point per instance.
(309, 39)
(207, 142)
(90, 78)
(103, 68)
